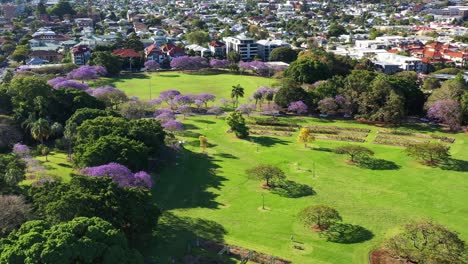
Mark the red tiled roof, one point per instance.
(217, 44)
(126, 53)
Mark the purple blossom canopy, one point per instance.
(152, 65)
(447, 112)
(168, 95)
(104, 90)
(215, 110)
(163, 110)
(297, 107)
(173, 126)
(21, 150)
(164, 114)
(120, 175)
(214, 63)
(206, 97)
(185, 109)
(271, 108)
(246, 108)
(189, 63)
(87, 73)
(71, 84)
(224, 102)
(156, 101)
(57, 80)
(181, 99)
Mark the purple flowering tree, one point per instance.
(156, 101)
(447, 112)
(246, 108)
(205, 98)
(328, 106)
(258, 67)
(189, 63)
(214, 63)
(215, 110)
(152, 65)
(86, 72)
(298, 107)
(120, 175)
(173, 126)
(181, 99)
(57, 80)
(164, 115)
(185, 110)
(21, 150)
(111, 96)
(168, 95)
(72, 84)
(270, 109)
(344, 104)
(224, 102)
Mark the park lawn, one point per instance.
(210, 195)
(56, 166)
(218, 84)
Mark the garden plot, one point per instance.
(405, 138)
(350, 134)
(271, 127)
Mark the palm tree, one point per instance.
(40, 130)
(236, 92)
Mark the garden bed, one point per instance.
(348, 138)
(273, 128)
(396, 141)
(418, 135)
(270, 133)
(338, 128)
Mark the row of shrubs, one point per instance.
(273, 128)
(419, 135)
(271, 122)
(396, 141)
(270, 133)
(338, 128)
(348, 138)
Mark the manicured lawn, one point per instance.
(218, 84)
(210, 196)
(56, 166)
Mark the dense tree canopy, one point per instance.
(284, 54)
(131, 210)
(81, 240)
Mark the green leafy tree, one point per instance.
(198, 37)
(354, 152)
(21, 53)
(284, 54)
(335, 30)
(62, 8)
(431, 84)
(12, 171)
(81, 240)
(236, 122)
(236, 92)
(65, 102)
(233, 57)
(112, 63)
(107, 149)
(430, 153)
(40, 130)
(289, 92)
(427, 242)
(131, 210)
(307, 71)
(267, 173)
(319, 216)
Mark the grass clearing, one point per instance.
(214, 188)
(218, 84)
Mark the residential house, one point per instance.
(80, 54)
(154, 53)
(218, 48)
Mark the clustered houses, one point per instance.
(252, 29)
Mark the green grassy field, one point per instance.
(210, 195)
(218, 84)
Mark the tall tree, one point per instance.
(236, 92)
(40, 130)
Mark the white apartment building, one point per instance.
(265, 46)
(245, 46)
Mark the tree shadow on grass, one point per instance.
(455, 165)
(268, 141)
(323, 149)
(292, 189)
(176, 237)
(189, 183)
(347, 233)
(205, 121)
(64, 165)
(190, 126)
(169, 75)
(226, 156)
(377, 164)
(188, 133)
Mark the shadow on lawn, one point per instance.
(268, 141)
(455, 165)
(186, 184)
(347, 233)
(176, 236)
(205, 121)
(377, 164)
(226, 156)
(291, 189)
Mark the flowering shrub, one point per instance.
(298, 107)
(173, 126)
